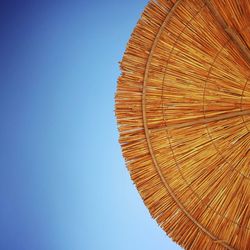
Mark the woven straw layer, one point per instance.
(183, 110)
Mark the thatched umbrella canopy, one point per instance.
(183, 110)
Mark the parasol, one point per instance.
(183, 112)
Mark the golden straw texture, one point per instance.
(183, 113)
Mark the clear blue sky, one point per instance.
(63, 181)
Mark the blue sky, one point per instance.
(64, 184)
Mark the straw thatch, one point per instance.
(183, 110)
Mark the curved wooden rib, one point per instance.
(147, 134)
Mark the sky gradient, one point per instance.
(64, 184)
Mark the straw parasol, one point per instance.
(183, 112)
